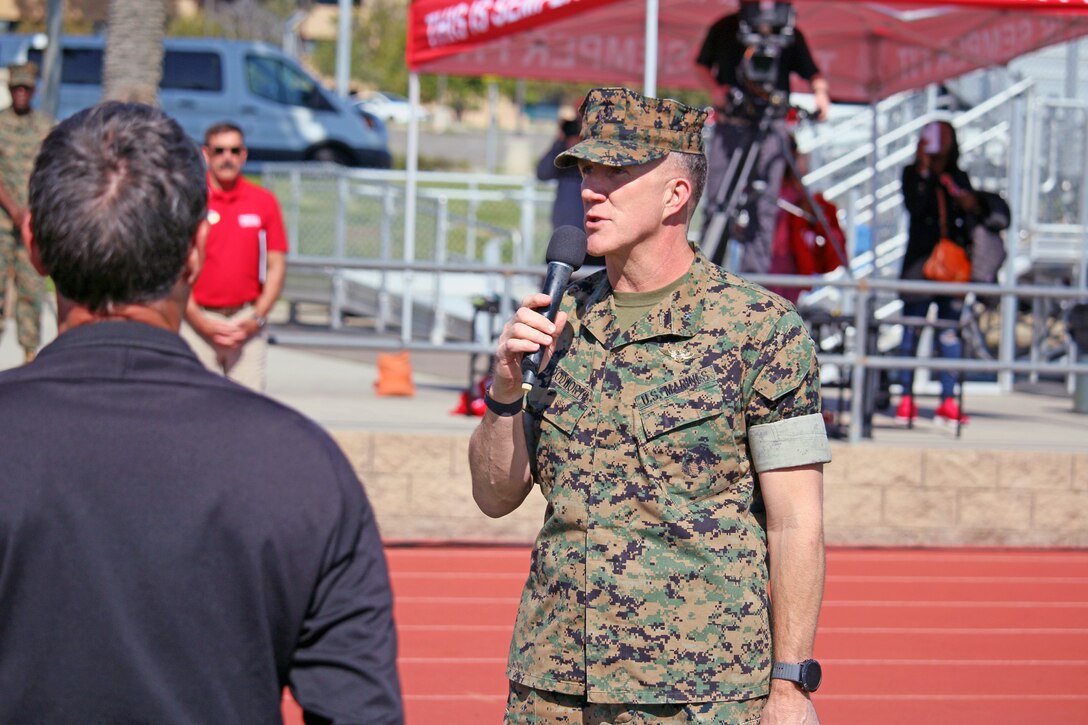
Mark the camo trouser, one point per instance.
(29, 289)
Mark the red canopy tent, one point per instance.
(867, 50)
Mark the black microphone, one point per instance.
(566, 250)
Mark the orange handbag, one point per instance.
(948, 262)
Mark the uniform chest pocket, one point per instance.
(559, 422)
(686, 444)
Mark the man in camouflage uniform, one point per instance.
(678, 439)
(21, 132)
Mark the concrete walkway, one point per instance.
(336, 388)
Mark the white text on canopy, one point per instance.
(457, 23)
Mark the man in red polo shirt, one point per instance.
(244, 265)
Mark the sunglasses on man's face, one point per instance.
(233, 150)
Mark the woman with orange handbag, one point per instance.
(939, 198)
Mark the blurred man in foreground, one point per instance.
(174, 548)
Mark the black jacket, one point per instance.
(920, 199)
(722, 53)
(175, 548)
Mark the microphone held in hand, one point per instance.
(566, 250)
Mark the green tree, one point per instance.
(377, 48)
(240, 19)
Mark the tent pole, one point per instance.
(491, 151)
(875, 181)
(649, 69)
(410, 185)
(1072, 62)
(874, 132)
(343, 49)
(52, 58)
(1006, 350)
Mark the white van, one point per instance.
(286, 114)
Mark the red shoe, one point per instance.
(907, 410)
(478, 407)
(462, 405)
(948, 412)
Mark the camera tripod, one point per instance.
(735, 189)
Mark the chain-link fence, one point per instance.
(346, 231)
(342, 214)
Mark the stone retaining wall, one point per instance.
(874, 496)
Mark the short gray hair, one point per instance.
(694, 167)
(116, 197)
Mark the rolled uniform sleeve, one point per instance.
(785, 424)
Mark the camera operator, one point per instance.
(745, 63)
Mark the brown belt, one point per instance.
(227, 311)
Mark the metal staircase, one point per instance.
(1029, 146)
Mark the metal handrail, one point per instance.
(524, 195)
(961, 120)
(862, 288)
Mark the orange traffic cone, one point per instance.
(395, 374)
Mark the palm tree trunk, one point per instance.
(133, 63)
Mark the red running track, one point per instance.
(906, 635)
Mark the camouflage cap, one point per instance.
(23, 74)
(623, 128)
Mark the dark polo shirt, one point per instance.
(175, 548)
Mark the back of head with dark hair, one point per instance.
(954, 149)
(116, 197)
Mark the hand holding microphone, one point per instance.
(526, 338)
(566, 250)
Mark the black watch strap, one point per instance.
(786, 671)
(504, 410)
(807, 674)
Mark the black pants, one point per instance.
(764, 184)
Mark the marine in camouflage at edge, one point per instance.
(642, 456)
(20, 139)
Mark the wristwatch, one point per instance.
(261, 321)
(806, 674)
